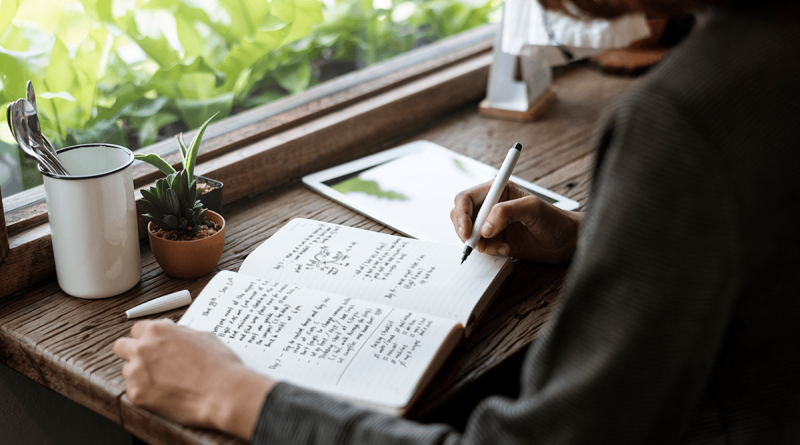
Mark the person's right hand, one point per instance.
(520, 225)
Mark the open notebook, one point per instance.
(361, 315)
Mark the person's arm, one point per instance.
(646, 303)
(630, 348)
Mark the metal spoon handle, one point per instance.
(21, 134)
(46, 162)
(53, 162)
(31, 96)
(35, 126)
(39, 143)
(37, 138)
(8, 118)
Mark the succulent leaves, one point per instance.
(172, 204)
(156, 161)
(189, 154)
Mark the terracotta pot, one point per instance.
(189, 259)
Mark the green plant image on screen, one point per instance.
(133, 72)
(371, 188)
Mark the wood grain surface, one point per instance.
(65, 343)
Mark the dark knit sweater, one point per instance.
(680, 316)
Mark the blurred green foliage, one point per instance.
(120, 71)
(104, 67)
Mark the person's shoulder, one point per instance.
(732, 55)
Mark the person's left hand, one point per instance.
(191, 377)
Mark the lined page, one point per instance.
(342, 346)
(401, 272)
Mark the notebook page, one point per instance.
(402, 272)
(342, 346)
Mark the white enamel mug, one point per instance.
(93, 221)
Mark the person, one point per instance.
(679, 320)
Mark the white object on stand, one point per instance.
(507, 97)
(507, 93)
(541, 40)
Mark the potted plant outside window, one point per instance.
(186, 238)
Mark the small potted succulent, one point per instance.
(210, 190)
(187, 239)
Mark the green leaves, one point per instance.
(156, 161)
(106, 70)
(190, 158)
(179, 189)
(8, 9)
(171, 204)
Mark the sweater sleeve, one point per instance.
(646, 303)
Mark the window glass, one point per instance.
(133, 72)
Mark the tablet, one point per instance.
(411, 188)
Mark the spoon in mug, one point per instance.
(31, 95)
(8, 118)
(20, 131)
(35, 127)
(37, 140)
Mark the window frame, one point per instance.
(28, 208)
(347, 117)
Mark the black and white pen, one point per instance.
(500, 182)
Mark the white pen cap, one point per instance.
(161, 304)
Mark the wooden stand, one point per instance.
(536, 109)
(518, 88)
(629, 61)
(639, 56)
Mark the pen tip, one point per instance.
(467, 251)
(518, 147)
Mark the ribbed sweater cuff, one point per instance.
(293, 415)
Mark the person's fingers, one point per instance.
(133, 388)
(130, 371)
(513, 191)
(477, 194)
(140, 327)
(461, 222)
(517, 210)
(494, 247)
(461, 215)
(123, 348)
(467, 204)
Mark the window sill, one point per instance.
(270, 146)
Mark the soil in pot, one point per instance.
(204, 187)
(173, 235)
(209, 192)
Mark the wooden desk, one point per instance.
(65, 343)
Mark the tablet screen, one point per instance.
(416, 190)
